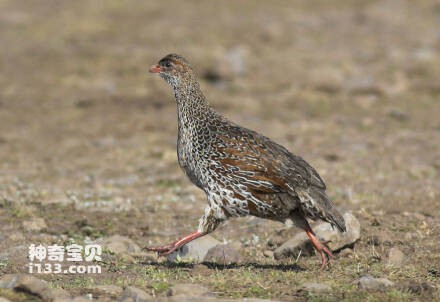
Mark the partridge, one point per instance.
(241, 171)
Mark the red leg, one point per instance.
(326, 254)
(169, 248)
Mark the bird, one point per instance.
(241, 171)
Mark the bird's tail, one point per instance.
(328, 210)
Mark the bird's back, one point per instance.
(254, 175)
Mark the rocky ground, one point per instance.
(87, 145)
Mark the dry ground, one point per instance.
(88, 137)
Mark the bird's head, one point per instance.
(174, 69)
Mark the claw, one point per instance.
(167, 249)
(322, 248)
(160, 249)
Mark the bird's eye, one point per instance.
(167, 64)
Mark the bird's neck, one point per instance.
(191, 103)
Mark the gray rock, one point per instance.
(182, 298)
(27, 284)
(255, 300)
(194, 251)
(395, 257)
(8, 281)
(326, 233)
(222, 254)
(134, 294)
(60, 295)
(346, 252)
(35, 224)
(4, 300)
(417, 288)
(316, 287)
(188, 289)
(370, 283)
(120, 245)
(111, 289)
(298, 243)
(268, 254)
(80, 299)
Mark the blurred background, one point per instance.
(88, 135)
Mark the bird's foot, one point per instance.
(167, 249)
(322, 248)
(163, 250)
(326, 255)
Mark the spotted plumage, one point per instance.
(241, 171)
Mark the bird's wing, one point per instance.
(264, 162)
(267, 167)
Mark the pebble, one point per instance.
(60, 294)
(370, 283)
(189, 289)
(316, 287)
(111, 289)
(417, 288)
(194, 251)
(222, 254)
(346, 252)
(134, 294)
(120, 244)
(325, 232)
(268, 254)
(28, 284)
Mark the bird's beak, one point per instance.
(155, 69)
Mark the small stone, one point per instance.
(134, 294)
(200, 269)
(299, 243)
(194, 251)
(182, 298)
(316, 287)
(60, 294)
(395, 257)
(127, 258)
(346, 252)
(222, 254)
(120, 245)
(275, 241)
(417, 288)
(8, 281)
(326, 233)
(268, 254)
(188, 289)
(111, 289)
(27, 284)
(144, 257)
(370, 283)
(81, 299)
(35, 224)
(337, 240)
